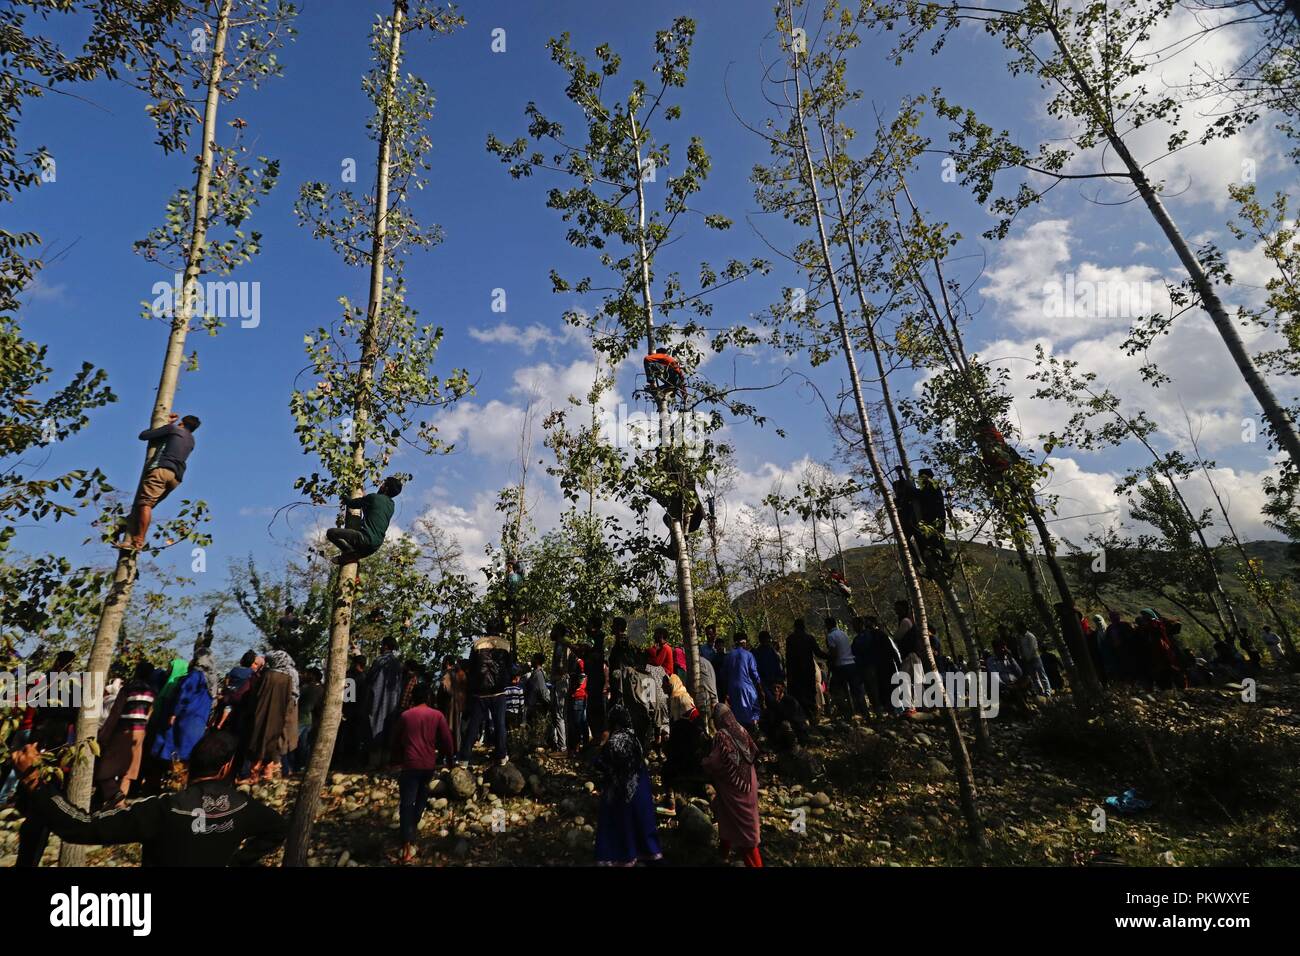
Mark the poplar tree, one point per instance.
(39, 591)
(629, 193)
(799, 184)
(1104, 87)
(233, 44)
(373, 366)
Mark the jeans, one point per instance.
(300, 756)
(413, 795)
(578, 732)
(481, 709)
(1038, 677)
(349, 541)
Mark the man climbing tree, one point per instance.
(921, 510)
(373, 367)
(609, 174)
(203, 233)
(664, 375)
(376, 512)
(163, 473)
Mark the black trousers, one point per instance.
(33, 834)
(346, 539)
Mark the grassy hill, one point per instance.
(994, 586)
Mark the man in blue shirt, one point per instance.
(164, 471)
(706, 649)
(743, 684)
(844, 668)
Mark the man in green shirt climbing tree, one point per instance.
(355, 543)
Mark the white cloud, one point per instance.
(528, 337)
(38, 290)
(1039, 289)
(1204, 377)
(1087, 503)
(1205, 381)
(1198, 173)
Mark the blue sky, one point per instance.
(112, 183)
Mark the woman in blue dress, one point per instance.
(626, 831)
(192, 706)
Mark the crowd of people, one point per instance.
(621, 708)
(153, 719)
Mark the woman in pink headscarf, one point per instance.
(731, 765)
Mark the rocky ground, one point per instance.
(881, 793)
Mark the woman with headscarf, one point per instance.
(167, 682)
(176, 672)
(1165, 670)
(450, 697)
(731, 764)
(1106, 652)
(682, 753)
(1093, 633)
(273, 729)
(626, 831)
(191, 708)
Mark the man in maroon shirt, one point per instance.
(420, 737)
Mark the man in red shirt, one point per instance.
(660, 653)
(420, 737)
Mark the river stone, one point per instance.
(800, 765)
(695, 825)
(461, 783)
(505, 781)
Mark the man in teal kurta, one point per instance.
(376, 511)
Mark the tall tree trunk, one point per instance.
(345, 585)
(685, 584)
(1082, 672)
(1283, 428)
(1261, 585)
(960, 550)
(125, 572)
(942, 581)
(956, 742)
(1045, 614)
(1069, 620)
